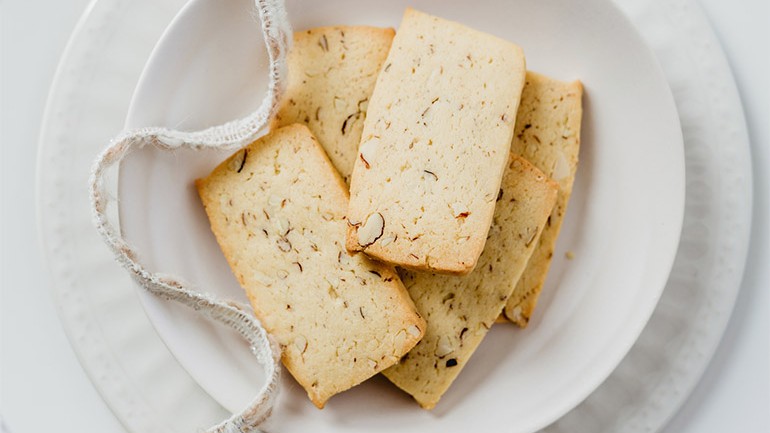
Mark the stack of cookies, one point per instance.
(409, 195)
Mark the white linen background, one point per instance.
(42, 385)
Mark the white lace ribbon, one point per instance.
(231, 135)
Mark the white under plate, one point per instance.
(150, 392)
(622, 227)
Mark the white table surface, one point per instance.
(42, 385)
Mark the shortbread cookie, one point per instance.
(277, 209)
(547, 135)
(332, 71)
(460, 310)
(435, 142)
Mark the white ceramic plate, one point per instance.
(623, 225)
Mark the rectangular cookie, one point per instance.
(332, 71)
(548, 136)
(277, 208)
(435, 142)
(460, 310)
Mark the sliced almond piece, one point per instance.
(561, 168)
(371, 230)
(368, 151)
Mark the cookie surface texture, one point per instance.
(332, 71)
(277, 210)
(548, 136)
(435, 142)
(460, 310)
